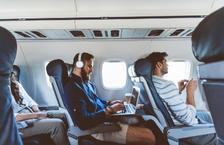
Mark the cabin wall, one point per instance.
(33, 56)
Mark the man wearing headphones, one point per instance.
(88, 110)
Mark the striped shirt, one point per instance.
(181, 112)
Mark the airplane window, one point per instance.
(178, 70)
(114, 74)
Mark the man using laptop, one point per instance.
(90, 110)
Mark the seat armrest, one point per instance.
(48, 108)
(75, 132)
(179, 132)
(154, 119)
(21, 134)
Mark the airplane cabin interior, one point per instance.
(119, 34)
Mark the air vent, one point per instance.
(190, 34)
(157, 32)
(177, 32)
(22, 34)
(77, 33)
(97, 33)
(32, 35)
(114, 33)
(39, 34)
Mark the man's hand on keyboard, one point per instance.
(117, 106)
(116, 101)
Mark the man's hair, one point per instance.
(156, 57)
(85, 57)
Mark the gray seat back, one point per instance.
(58, 74)
(208, 47)
(146, 97)
(143, 70)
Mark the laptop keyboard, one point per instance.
(128, 108)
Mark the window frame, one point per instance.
(101, 72)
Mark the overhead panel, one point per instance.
(134, 33)
(113, 34)
(56, 34)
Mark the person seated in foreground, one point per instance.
(181, 111)
(31, 121)
(90, 110)
(8, 130)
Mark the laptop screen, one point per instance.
(135, 93)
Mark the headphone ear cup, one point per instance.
(79, 64)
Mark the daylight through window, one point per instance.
(114, 74)
(178, 70)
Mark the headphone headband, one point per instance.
(80, 57)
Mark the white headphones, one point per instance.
(79, 63)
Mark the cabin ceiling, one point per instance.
(55, 19)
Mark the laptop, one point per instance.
(130, 108)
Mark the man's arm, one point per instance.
(191, 87)
(26, 116)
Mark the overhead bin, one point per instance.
(47, 24)
(22, 9)
(138, 23)
(115, 8)
(103, 14)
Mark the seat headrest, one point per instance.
(207, 38)
(57, 69)
(8, 48)
(143, 67)
(131, 71)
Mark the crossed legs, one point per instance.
(130, 135)
(53, 126)
(140, 135)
